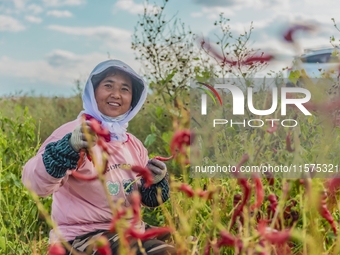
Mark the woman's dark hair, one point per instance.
(137, 87)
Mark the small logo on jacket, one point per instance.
(128, 186)
(113, 187)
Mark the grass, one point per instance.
(23, 231)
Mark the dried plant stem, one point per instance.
(49, 221)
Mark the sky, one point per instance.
(45, 45)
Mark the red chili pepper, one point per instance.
(226, 239)
(213, 90)
(145, 173)
(207, 249)
(237, 198)
(325, 213)
(333, 185)
(103, 246)
(206, 194)
(179, 139)
(289, 214)
(101, 143)
(243, 182)
(288, 143)
(246, 190)
(80, 176)
(97, 128)
(246, 195)
(273, 128)
(249, 61)
(288, 35)
(259, 193)
(273, 205)
(273, 236)
(186, 188)
(270, 178)
(163, 158)
(56, 249)
(206, 46)
(135, 204)
(243, 160)
(149, 233)
(279, 237)
(263, 58)
(81, 158)
(116, 218)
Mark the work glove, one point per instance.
(158, 169)
(78, 140)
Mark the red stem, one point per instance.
(325, 213)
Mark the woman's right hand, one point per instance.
(78, 139)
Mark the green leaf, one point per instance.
(150, 139)
(330, 235)
(152, 85)
(209, 93)
(166, 137)
(334, 53)
(294, 76)
(153, 128)
(196, 58)
(170, 76)
(2, 243)
(17, 183)
(159, 111)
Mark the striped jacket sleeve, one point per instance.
(149, 195)
(59, 157)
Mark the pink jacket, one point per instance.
(80, 207)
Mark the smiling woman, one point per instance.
(113, 95)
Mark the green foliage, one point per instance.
(294, 76)
(19, 222)
(165, 48)
(150, 139)
(50, 112)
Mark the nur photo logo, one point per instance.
(242, 102)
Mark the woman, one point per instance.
(113, 95)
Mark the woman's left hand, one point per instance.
(158, 169)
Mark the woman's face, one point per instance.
(114, 94)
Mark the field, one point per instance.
(25, 123)
(305, 218)
(209, 211)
